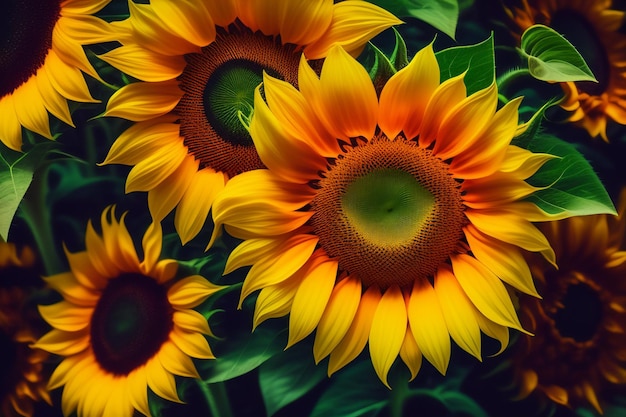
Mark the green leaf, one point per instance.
(16, 174)
(574, 188)
(551, 57)
(478, 60)
(289, 376)
(457, 402)
(382, 68)
(354, 391)
(245, 352)
(443, 15)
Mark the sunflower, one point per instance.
(392, 220)
(22, 382)
(199, 62)
(123, 325)
(580, 344)
(593, 27)
(41, 59)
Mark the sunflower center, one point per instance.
(218, 85)
(9, 360)
(389, 211)
(132, 320)
(577, 29)
(25, 39)
(581, 314)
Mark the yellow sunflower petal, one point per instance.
(311, 297)
(251, 251)
(142, 101)
(118, 242)
(485, 290)
(337, 317)
(151, 242)
(190, 21)
(442, 101)
(284, 154)
(118, 404)
(160, 381)
(357, 335)
(95, 395)
(410, 353)
(190, 291)
(65, 370)
(353, 24)
(85, 272)
(98, 257)
(405, 96)
(163, 198)
(85, 29)
(349, 105)
(279, 265)
(65, 316)
(493, 330)
(63, 343)
(263, 15)
(66, 79)
(485, 156)
(496, 189)
(387, 332)
(144, 64)
(194, 206)
(275, 300)
(30, 109)
(511, 228)
(137, 392)
(150, 172)
(458, 312)
(83, 7)
(502, 259)
(141, 140)
(268, 208)
(304, 22)
(466, 122)
(71, 290)
(71, 52)
(429, 325)
(192, 321)
(222, 12)
(74, 389)
(10, 128)
(52, 99)
(176, 362)
(192, 344)
(522, 162)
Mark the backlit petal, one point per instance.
(142, 101)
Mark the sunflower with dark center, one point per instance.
(22, 380)
(395, 220)
(199, 63)
(124, 325)
(595, 29)
(41, 59)
(579, 348)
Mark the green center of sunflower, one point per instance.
(387, 205)
(8, 376)
(581, 313)
(218, 85)
(577, 29)
(389, 212)
(131, 322)
(25, 39)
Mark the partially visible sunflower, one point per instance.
(124, 325)
(41, 59)
(593, 27)
(199, 63)
(580, 344)
(393, 220)
(22, 382)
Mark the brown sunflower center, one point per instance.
(131, 322)
(25, 38)
(389, 211)
(581, 313)
(577, 29)
(219, 85)
(8, 376)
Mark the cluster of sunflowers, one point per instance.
(312, 208)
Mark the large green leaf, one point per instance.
(551, 57)
(478, 60)
(441, 14)
(289, 376)
(246, 352)
(16, 174)
(574, 188)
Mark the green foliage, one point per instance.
(288, 376)
(442, 14)
(551, 57)
(478, 60)
(574, 188)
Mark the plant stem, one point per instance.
(398, 395)
(216, 398)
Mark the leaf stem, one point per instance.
(216, 398)
(397, 397)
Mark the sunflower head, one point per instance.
(593, 27)
(197, 93)
(123, 325)
(392, 220)
(23, 381)
(578, 350)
